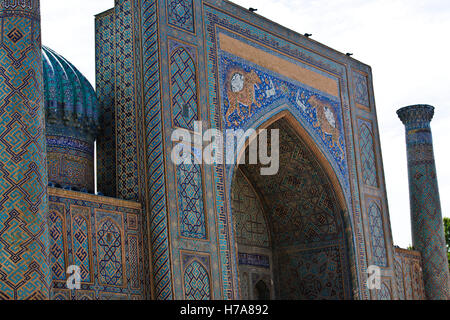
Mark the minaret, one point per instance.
(24, 238)
(426, 217)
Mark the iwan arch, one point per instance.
(163, 231)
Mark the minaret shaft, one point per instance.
(24, 236)
(426, 217)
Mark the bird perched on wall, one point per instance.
(349, 54)
(307, 35)
(252, 9)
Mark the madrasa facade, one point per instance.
(147, 228)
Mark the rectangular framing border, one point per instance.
(197, 75)
(184, 253)
(64, 236)
(374, 150)
(97, 225)
(379, 202)
(138, 259)
(366, 76)
(178, 28)
(88, 220)
(207, 233)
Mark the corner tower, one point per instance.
(24, 237)
(426, 217)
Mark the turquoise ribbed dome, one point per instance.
(69, 97)
(72, 118)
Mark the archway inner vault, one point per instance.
(289, 227)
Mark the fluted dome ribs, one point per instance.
(70, 99)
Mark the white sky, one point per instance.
(404, 41)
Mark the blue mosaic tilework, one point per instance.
(105, 82)
(320, 275)
(249, 223)
(24, 233)
(190, 201)
(162, 276)
(321, 112)
(126, 104)
(58, 242)
(109, 242)
(304, 215)
(360, 83)
(183, 75)
(104, 242)
(81, 246)
(196, 279)
(180, 13)
(70, 99)
(379, 254)
(367, 152)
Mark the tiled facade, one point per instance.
(201, 232)
(100, 235)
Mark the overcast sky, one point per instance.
(404, 41)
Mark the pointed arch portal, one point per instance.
(290, 228)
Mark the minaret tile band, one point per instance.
(24, 238)
(426, 217)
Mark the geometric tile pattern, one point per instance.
(180, 13)
(361, 89)
(126, 105)
(162, 278)
(379, 254)
(318, 275)
(25, 273)
(384, 293)
(96, 227)
(190, 201)
(105, 86)
(133, 247)
(81, 229)
(427, 224)
(196, 281)
(184, 86)
(57, 241)
(367, 151)
(301, 200)
(109, 241)
(249, 221)
(70, 162)
(408, 275)
(196, 277)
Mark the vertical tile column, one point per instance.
(426, 217)
(24, 239)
